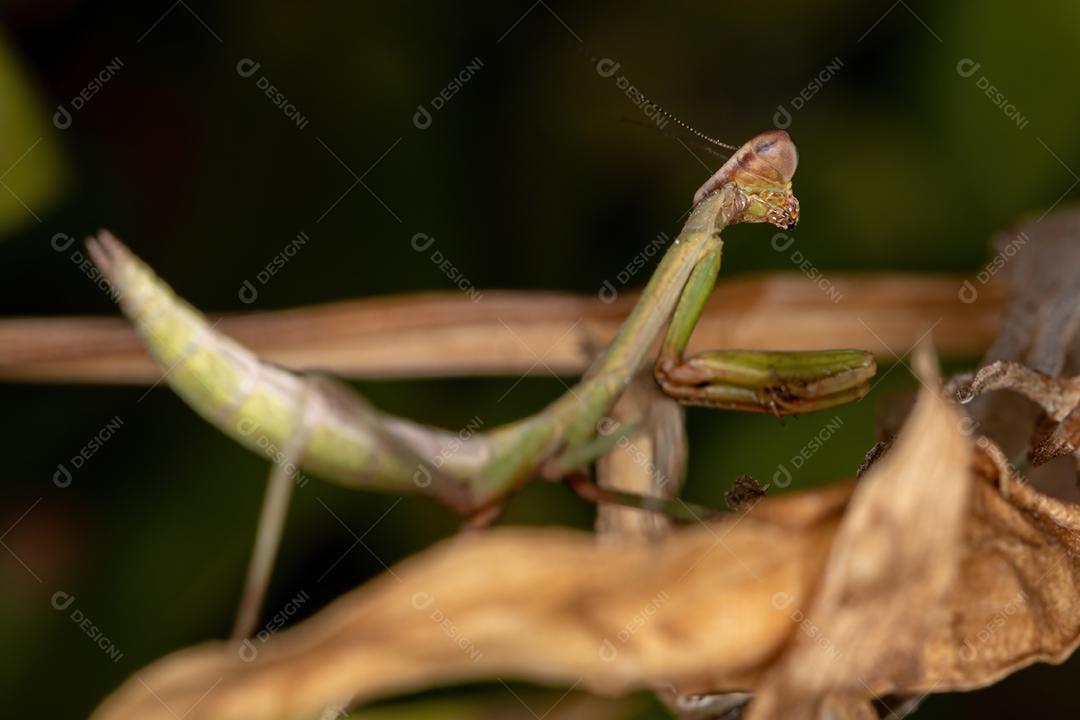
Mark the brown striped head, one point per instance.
(762, 170)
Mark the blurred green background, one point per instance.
(528, 177)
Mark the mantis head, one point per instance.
(760, 173)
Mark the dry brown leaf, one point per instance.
(940, 600)
(1054, 439)
(894, 558)
(1017, 598)
(1040, 330)
(550, 606)
(1058, 432)
(695, 613)
(944, 571)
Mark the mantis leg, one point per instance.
(688, 311)
(778, 382)
(267, 540)
(271, 525)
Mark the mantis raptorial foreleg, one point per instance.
(779, 382)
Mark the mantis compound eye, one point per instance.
(774, 157)
(763, 166)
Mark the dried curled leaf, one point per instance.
(1017, 598)
(1058, 432)
(1039, 260)
(894, 558)
(550, 606)
(1054, 439)
(942, 571)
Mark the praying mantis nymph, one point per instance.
(263, 406)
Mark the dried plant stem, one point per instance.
(446, 334)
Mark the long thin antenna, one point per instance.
(583, 52)
(678, 135)
(689, 128)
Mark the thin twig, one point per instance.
(446, 334)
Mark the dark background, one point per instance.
(529, 177)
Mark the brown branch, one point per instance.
(446, 334)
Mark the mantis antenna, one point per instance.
(679, 136)
(689, 128)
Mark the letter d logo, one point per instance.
(421, 118)
(968, 294)
(61, 118)
(967, 67)
(247, 67)
(248, 294)
(781, 118)
(606, 67)
(421, 242)
(62, 600)
(247, 651)
(62, 477)
(608, 293)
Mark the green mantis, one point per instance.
(264, 406)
